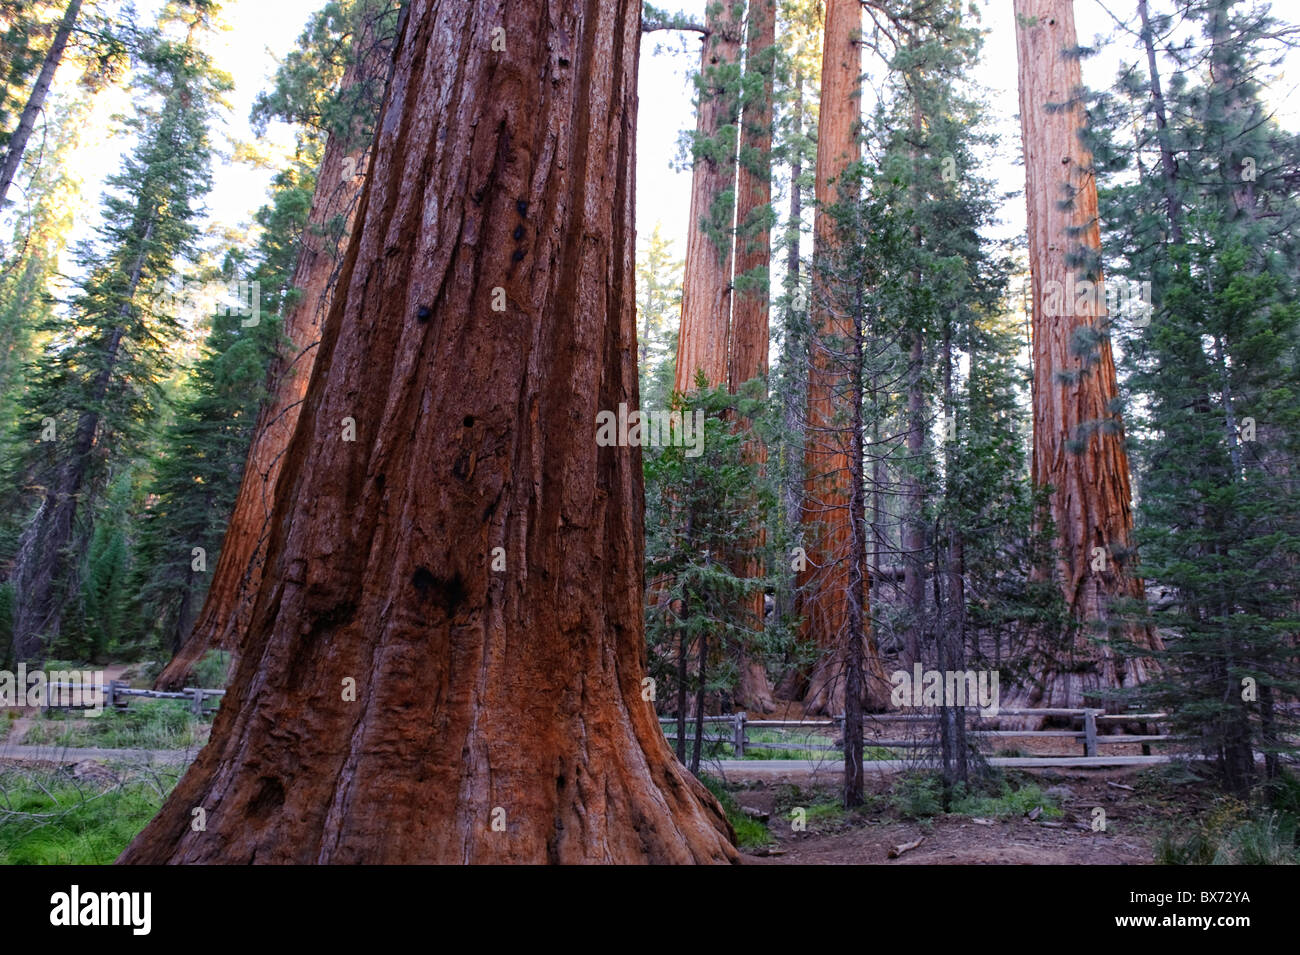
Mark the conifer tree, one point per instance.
(96, 391)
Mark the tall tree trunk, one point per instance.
(18, 141)
(1168, 166)
(1078, 436)
(825, 584)
(226, 611)
(913, 529)
(41, 565)
(702, 341)
(497, 716)
(794, 359)
(749, 322)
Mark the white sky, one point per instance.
(263, 30)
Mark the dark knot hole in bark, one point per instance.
(447, 594)
(269, 798)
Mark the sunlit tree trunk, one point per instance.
(472, 559)
(702, 341)
(229, 603)
(17, 145)
(750, 307)
(1078, 434)
(826, 597)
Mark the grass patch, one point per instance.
(1233, 833)
(213, 670)
(1009, 803)
(750, 833)
(146, 724)
(920, 796)
(49, 817)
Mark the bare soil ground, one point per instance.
(1133, 817)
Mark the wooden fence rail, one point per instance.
(116, 694)
(740, 725)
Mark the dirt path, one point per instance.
(961, 840)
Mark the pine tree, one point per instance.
(1214, 366)
(96, 393)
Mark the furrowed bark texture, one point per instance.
(498, 715)
(228, 607)
(825, 596)
(702, 341)
(1078, 434)
(750, 308)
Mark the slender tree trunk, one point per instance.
(1078, 436)
(496, 716)
(682, 652)
(794, 358)
(749, 322)
(913, 529)
(826, 591)
(1168, 166)
(703, 339)
(224, 618)
(859, 589)
(950, 596)
(26, 122)
(41, 565)
(698, 742)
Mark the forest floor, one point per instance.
(1138, 806)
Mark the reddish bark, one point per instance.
(750, 307)
(1078, 434)
(482, 696)
(224, 619)
(825, 596)
(702, 341)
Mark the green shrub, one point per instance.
(749, 831)
(145, 724)
(1009, 803)
(213, 670)
(917, 796)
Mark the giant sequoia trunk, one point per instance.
(1078, 435)
(749, 319)
(470, 563)
(702, 341)
(827, 585)
(225, 615)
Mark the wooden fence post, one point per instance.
(739, 735)
(1090, 732)
(197, 705)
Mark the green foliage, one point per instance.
(701, 509)
(1232, 833)
(917, 795)
(98, 387)
(1216, 380)
(145, 724)
(213, 669)
(309, 88)
(750, 833)
(52, 818)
